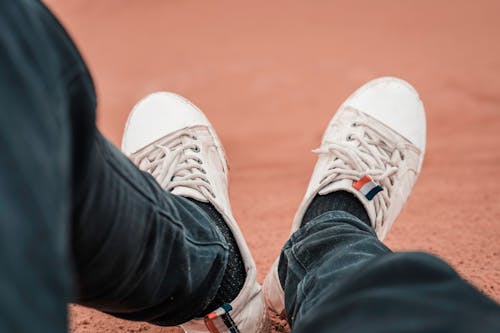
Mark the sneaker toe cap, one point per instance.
(156, 116)
(395, 103)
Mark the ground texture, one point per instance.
(270, 74)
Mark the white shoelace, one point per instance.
(376, 155)
(175, 162)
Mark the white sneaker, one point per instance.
(170, 138)
(373, 147)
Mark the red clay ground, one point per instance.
(270, 74)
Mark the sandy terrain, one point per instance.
(270, 74)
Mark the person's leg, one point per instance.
(334, 273)
(138, 252)
(338, 277)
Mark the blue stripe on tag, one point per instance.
(373, 192)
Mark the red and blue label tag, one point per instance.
(367, 187)
(219, 321)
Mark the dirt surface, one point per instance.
(270, 74)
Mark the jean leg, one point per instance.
(142, 253)
(338, 277)
(338, 238)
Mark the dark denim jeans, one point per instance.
(79, 222)
(338, 277)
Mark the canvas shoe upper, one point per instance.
(374, 148)
(170, 138)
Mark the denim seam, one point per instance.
(297, 257)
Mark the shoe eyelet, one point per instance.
(355, 124)
(196, 149)
(349, 137)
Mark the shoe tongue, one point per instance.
(346, 185)
(189, 193)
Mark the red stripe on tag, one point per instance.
(360, 183)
